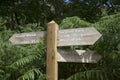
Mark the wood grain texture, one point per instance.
(52, 66)
(66, 37)
(79, 56)
(78, 36)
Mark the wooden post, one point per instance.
(52, 66)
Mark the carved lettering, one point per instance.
(25, 35)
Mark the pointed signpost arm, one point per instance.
(52, 71)
(79, 56)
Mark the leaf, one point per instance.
(24, 61)
(30, 74)
(89, 75)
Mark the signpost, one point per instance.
(27, 38)
(52, 65)
(65, 37)
(80, 56)
(79, 36)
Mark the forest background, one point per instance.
(28, 62)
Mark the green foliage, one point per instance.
(73, 22)
(108, 47)
(20, 12)
(31, 74)
(28, 62)
(20, 62)
(89, 75)
(23, 61)
(2, 24)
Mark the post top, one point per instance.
(52, 22)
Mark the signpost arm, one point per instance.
(52, 66)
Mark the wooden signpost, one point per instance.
(79, 56)
(79, 36)
(52, 66)
(27, 38)
(65, 37)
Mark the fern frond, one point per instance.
(24, 61)
(89, 75)
(30, 75)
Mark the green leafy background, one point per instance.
(28, 62)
